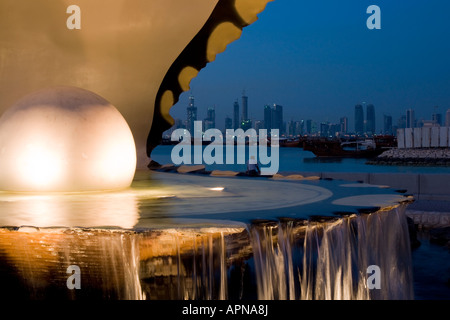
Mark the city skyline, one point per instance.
(318, 60)
(364, 120)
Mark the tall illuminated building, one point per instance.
(267, 117)
(210, 121)
(277, 118)
(236, 122)
(344, 125)
(191, 115)
(387, 124)
(410, 118)
(359, 119)
(228, 123)
(244, 107)
(370, 119)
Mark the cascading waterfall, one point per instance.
(34, 263)
(335, 258)
(321, 258)
(185, 265)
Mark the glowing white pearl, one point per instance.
(65, 139)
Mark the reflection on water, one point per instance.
(101, 209)
(322, 160)
(298, 160)
(154, 199)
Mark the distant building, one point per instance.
(324, 129)
(370, 119)
(308, 126)
(258, 125)
(299, 127)
(334, 129)
(210, 120)
(427, 124)
(273, 118)
(447, 118)
(179, 124)
(236, 122)
(267, 117)
(437, 119)
(246, 124)
(401, 123)
(410, 119)
(313, 127)
(343, 125)
(228, 123)
(290, 129)
(359, 119)
(244, 107)
(191, 115)
(208, 125)
(277, 118)
(387, 124)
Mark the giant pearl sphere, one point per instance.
(65, 139)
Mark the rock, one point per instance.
(414, 157)
(190, 169)
(312, 178)
(295, 177)
(220, 173)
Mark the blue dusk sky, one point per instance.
(318, 59)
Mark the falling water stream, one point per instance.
(173, 236)
(324, 258)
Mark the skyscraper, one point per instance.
(308, 126)
(344, 125)
(447, 118)
(410, 119)
(291, 128)
(236, 122)
(244, 107)
(299, 127)
(210, 120)
(258, 125)
(359, 119)
(370, 119)
(267, 117)
(228, 123)
(401, 122)
(324, 129)
(277, 118)
(246, 124)
(437, 119)
(211, 116)
(191, 115)
(387, 124)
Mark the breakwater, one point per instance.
(414, 157)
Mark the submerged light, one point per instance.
(65, 139)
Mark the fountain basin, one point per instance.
(182, 237)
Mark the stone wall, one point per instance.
(426, 137)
